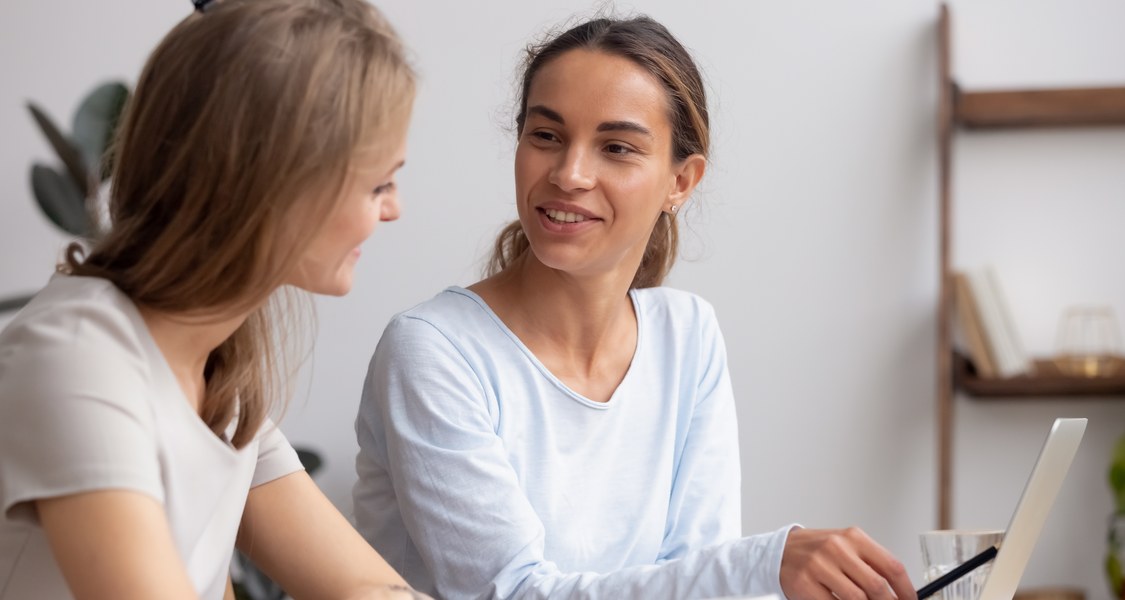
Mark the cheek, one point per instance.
(523, 181)
(656, 187)
(529, 168)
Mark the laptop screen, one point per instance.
(1031, 513)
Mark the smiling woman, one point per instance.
(596, 121)
(136, 448)
(368, 196)
(565, 428)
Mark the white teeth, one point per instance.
(564, 217)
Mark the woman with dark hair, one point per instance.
(566, 427)
(136, 452)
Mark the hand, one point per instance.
(818, 564)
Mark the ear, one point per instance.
(687, 175)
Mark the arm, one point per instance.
(114, 545)
(298, 538)
(79, 454)
(705, 507)
(461, 501)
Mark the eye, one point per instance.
(620, 149)
(544, 136)
(386, 188)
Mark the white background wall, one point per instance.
(814, 235)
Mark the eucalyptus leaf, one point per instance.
(94, 124)
(60, 199)
(71, 157)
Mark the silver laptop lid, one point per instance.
(1031, 512)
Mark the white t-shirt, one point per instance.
(87, 402)
(482, 475)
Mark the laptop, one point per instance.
(1031, 512)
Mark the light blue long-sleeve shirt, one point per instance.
(481, 475)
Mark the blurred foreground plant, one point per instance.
(1115, 552)
(69, 193)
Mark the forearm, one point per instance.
(295, 535)
(746, 566)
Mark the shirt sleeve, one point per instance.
(276, 457)
(705, 507)
(75, 411)
(461, 501)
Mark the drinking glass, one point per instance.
(943, 550)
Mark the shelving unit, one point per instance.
(998, 110)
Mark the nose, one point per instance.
(573, 170)
(390, 209)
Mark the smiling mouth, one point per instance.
(559, 216)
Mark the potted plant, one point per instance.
(69, 193)
(1115, 552)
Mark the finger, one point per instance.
(889, 569)
(834, 576)
(866, 578)
(812, 590)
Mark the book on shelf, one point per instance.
(998, 349)
(972, 332)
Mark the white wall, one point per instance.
(814, 236)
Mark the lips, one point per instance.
(560, 216)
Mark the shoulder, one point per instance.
(673, 306)
(76, 377)
(455, 316)
(75, 330)
(75, 311)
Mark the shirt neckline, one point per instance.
(542, 368)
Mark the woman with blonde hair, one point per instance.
(566, 427)
(136, 451)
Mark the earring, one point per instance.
(674, 208)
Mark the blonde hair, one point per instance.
(652, 47)
(231, 155)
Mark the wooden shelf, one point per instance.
(1047, 382)
(977, 109)
(1039, 108)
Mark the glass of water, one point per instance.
(942, 550)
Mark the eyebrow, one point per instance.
(625, 126)
(397, 167)
(551, 115)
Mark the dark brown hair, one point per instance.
(231, 155)
(652, 47)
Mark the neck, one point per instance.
(187, 341)
(586, 315)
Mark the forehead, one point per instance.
(381, 152)
(588, 85)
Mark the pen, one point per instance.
(957, 572)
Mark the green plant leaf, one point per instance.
(60, 199)
(1117, 474)
(1114, 575)
(95, 122)
(70, 155)
(310, 460)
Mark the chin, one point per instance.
(328, 288)
(340, 289)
